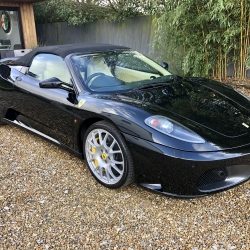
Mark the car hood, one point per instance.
(207, 104)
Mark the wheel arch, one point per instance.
(86, 124)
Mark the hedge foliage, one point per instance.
(209, 35)
(81, 13)
(202, 37)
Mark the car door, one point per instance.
(48, 111)
(6, 90)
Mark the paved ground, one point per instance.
(49, 200)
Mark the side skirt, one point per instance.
(34, 131)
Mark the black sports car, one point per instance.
(130, 118)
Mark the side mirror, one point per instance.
(51, 83)
(4, 71)
(164, 65)
(55, 83)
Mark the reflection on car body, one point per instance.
(130, 118)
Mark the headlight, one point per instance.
(172, 128)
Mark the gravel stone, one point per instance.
(49, 200)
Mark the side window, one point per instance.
(45, 66)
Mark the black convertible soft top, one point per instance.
(64, 50)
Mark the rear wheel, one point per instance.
(107, 155)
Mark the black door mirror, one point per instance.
(4, 71)
(164, 65)
(55, 83)
(51, 83)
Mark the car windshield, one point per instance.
(119, 71)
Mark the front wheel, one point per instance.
(107, 155)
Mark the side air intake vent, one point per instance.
(212, 176)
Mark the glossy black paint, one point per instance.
(6, 92)
(178, 171)
(49, 111)
(214, 111)
(174, 164)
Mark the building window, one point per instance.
(6, 21)
(10, 31)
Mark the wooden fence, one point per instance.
(136, 33)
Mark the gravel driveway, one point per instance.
(49, 200)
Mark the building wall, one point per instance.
(27, 21)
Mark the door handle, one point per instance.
(18, 78)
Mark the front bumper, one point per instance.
(187, 174)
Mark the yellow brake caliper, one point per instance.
(93, 151)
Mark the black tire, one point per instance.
(108, 158)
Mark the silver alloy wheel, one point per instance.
(104, 156)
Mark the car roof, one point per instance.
(64, 50)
